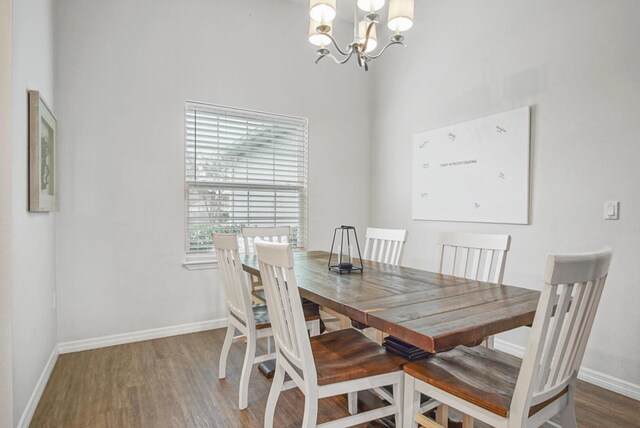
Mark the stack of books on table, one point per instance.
(409, 352)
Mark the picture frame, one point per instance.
(43, 156)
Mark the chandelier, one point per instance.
(365, 38)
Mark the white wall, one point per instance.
(6, 372)
(33, 235)
(577, 63)
(124, 70)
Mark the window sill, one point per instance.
(200, 263)
(208, 262)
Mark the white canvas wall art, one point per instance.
(476, 171)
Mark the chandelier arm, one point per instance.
(320, 57)
(349, 50)
(366, 36)
(346, 59)
(384, 49)
(337, 61)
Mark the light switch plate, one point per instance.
(611, 210)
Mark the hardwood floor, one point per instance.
(173, 382)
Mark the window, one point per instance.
(243, 168)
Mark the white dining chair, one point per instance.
(252, 321)
(384, 245)
(474, 256)
(499, 389)
(266, 233)
(340, 362)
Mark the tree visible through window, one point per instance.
(243, 168)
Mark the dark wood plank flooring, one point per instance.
(173, 382)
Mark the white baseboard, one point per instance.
(509, 348)
(611, 383)
(30, 409)
(138, 336)
(602, 380)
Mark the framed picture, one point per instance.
(43, 156)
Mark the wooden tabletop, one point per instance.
(432, 311)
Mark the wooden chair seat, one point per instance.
(482, 376)
(348, 354)
(311, 313)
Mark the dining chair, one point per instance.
(335, 363)
(252, 321)
(384, 245)
(474, 256)
(503, 391)
(266, 233)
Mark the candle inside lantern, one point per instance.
(345, 257)
(344, 243)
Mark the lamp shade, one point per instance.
(317, 38)
(322, 11)
(400, 15)
(370, 5)
(373, 37)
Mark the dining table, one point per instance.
(429, 310)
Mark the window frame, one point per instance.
(207, 260)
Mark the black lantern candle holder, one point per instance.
(345, 251)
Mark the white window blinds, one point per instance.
(243, 168)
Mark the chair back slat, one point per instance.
(501, 257)
(284, 305)
(556, 323)
(280, 277)
(576, 361)
(236, 291)
(488, 264)
(561, 328)
(384, 245)
(475, 263)
(394, 256)
(568, 345)
(474, 256)
(280, 234)
(463, 255)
